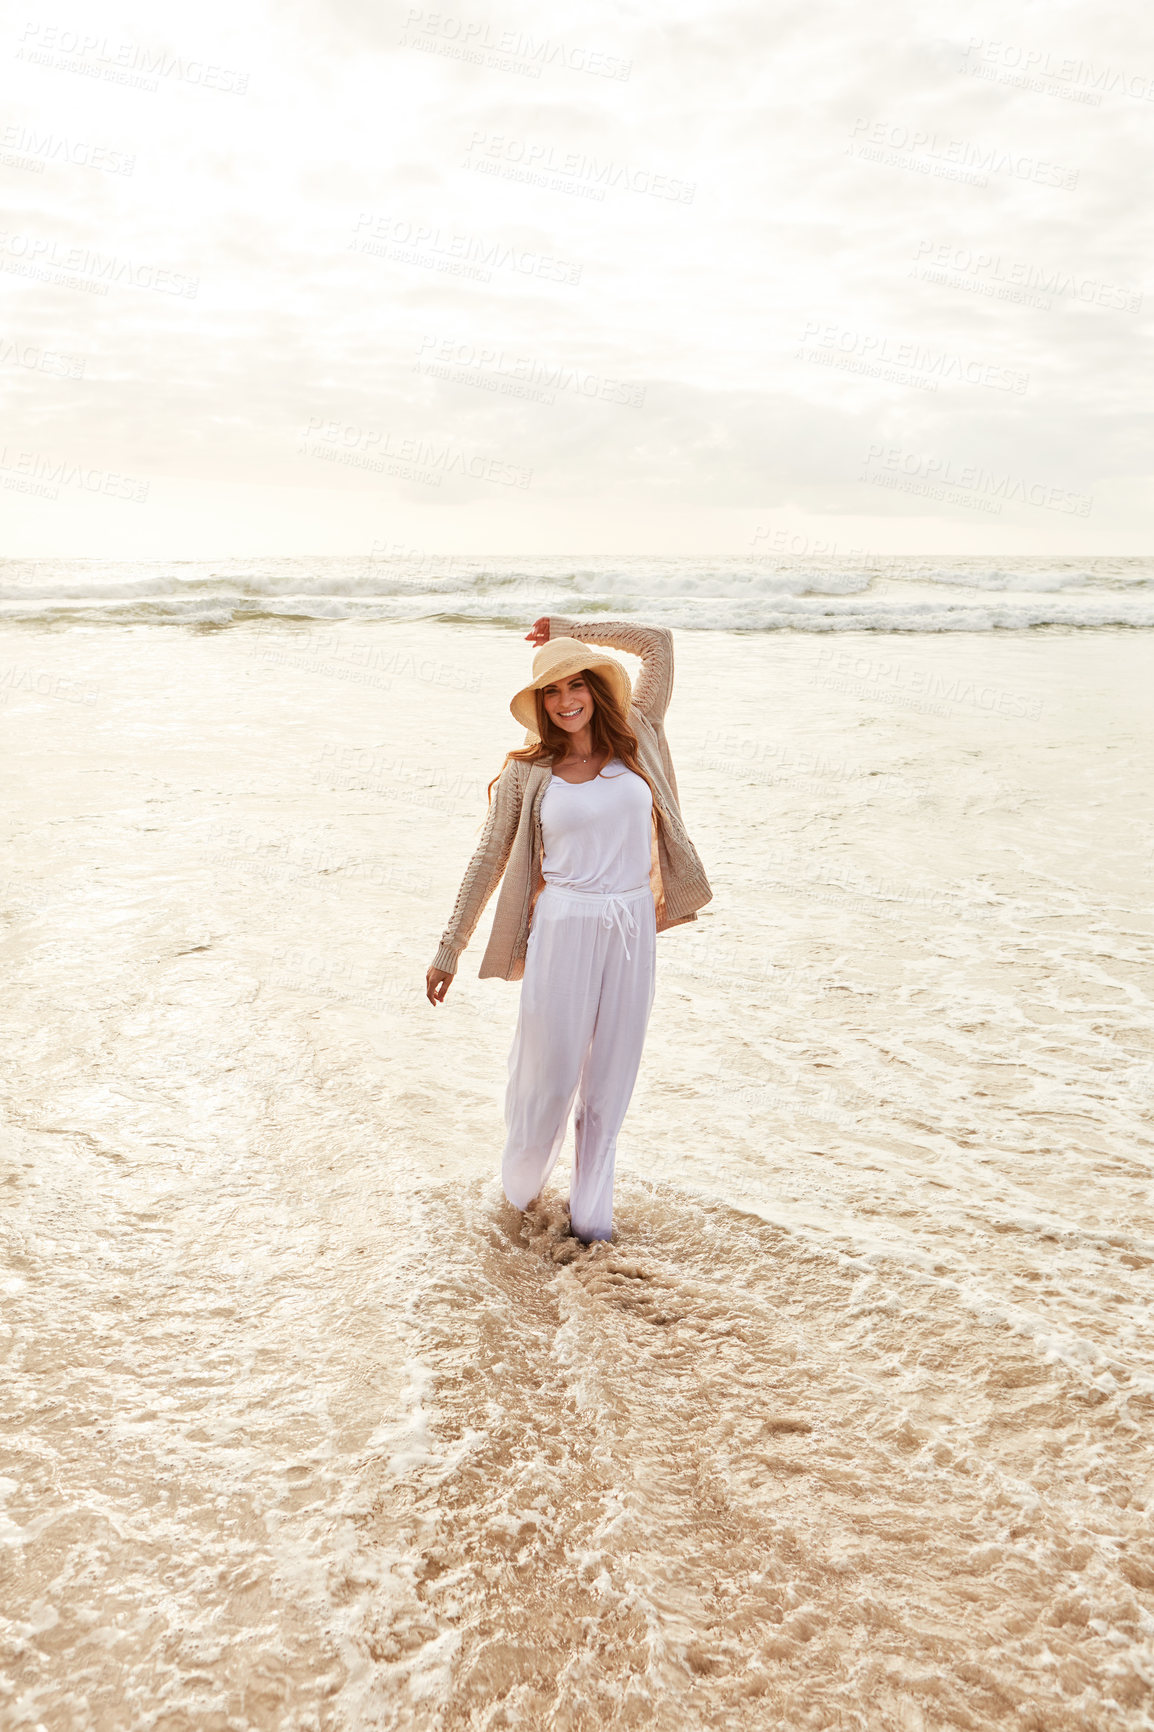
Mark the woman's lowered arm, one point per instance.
(483, 873)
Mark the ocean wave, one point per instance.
(696, 594)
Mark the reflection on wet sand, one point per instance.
(304, 1430)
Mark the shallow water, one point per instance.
(305, 1428)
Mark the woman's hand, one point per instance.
(538, 632)
(437, 984)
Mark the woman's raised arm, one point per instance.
(653, 643)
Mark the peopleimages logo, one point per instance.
(37, 148)
(537, 161)
(384, 453)
(128, 63)
(894, 680)
(15, 353)
(932, 152)
(940, 477)
(494, 369)
(43, 476)
(38, 256)
(479, 41)
(904, 360)
(1009, 279)
(454, 252)
(1012, 62)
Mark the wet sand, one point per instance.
(306, 1429)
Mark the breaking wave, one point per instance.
(802, 593)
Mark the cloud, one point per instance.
(711, 256)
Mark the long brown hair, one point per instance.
(611, 732)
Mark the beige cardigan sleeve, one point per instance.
(484, 870)
(654, 645)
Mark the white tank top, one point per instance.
(597, 834)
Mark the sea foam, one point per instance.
(841, 593)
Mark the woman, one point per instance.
(585, 830)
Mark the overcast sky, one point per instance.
(319, 278)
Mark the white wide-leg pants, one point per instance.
(585, 1003)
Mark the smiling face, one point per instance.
(569, 703)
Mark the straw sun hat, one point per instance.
(556, 660)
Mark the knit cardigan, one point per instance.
(511, 849)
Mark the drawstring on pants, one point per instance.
(617, 913)
(615, 909)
